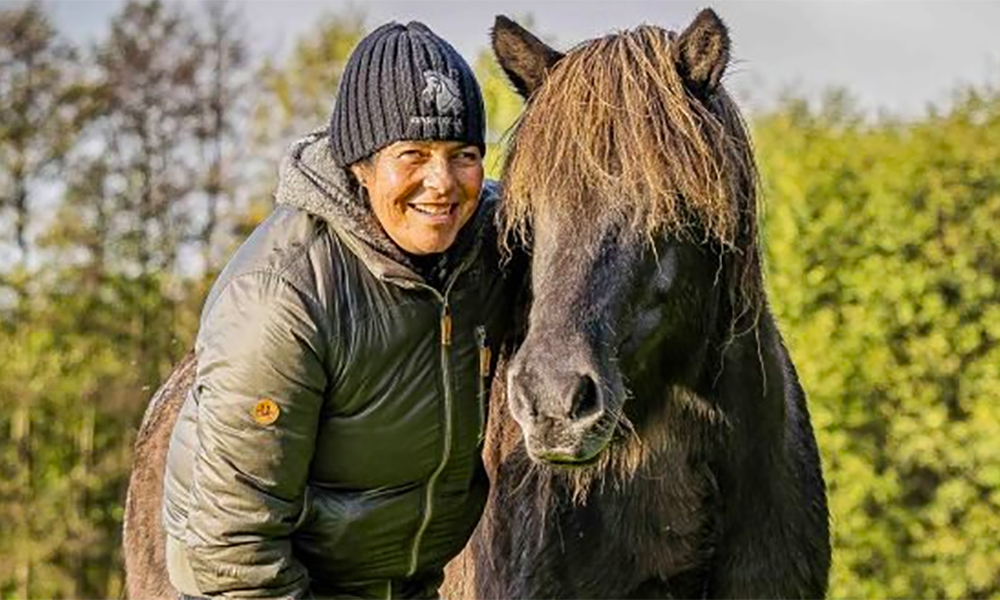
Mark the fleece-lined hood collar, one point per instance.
(310, 180)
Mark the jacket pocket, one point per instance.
(357, 536)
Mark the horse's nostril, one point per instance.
(586, 399)
(517, 382)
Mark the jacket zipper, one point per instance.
(446, 379)
(446, 452)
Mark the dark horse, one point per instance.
(657, 442)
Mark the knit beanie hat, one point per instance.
(403, 82)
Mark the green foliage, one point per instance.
(503, 106)
(72, 397)
(884, 262)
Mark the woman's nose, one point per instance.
(438, 176)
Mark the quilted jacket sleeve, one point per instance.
(260, 386)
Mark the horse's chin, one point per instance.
(586, 453)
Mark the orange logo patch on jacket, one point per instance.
(266, 411)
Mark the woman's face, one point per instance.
(423, 192)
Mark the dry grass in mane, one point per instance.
(614, 133)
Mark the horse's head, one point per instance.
(632, 175)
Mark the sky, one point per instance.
(897, 56)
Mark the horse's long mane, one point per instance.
(614, 133)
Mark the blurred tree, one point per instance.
(40, 104)
(295, 97)
(148, 134)
(142, 204)
(884, 262)
(298, 94)
(110, 307)
(38, 98)
(224, 83)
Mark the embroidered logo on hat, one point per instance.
(442, 93)
(266, 411)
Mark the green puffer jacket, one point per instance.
(331, 444)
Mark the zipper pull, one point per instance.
(484, 352)
(446, 326)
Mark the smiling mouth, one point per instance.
(434, 210)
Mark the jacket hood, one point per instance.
(310, 180)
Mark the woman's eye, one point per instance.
(468, 156)
(410, 154)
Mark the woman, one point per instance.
(330, 446)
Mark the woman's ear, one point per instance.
(360, 172)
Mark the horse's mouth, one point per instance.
(583, 451)
(558, 459)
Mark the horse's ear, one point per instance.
(523, 57)
(701, 52)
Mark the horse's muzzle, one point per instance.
(561, 412)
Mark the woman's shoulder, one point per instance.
(278, 242)
(291, 245)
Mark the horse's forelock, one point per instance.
(615, 133)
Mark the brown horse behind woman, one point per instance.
(144, 539)
(655, 441)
